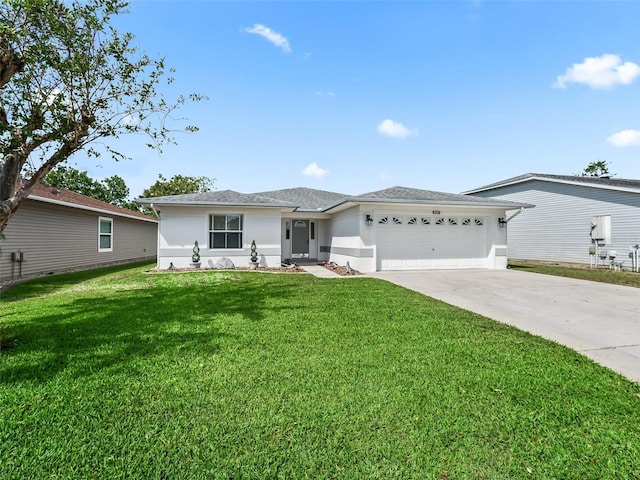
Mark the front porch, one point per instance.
(305, 240)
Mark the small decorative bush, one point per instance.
(254, 253)
(196, 253)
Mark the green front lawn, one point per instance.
(604, 275)
(121, 374)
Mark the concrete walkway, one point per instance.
(320, 272)
(599, 320)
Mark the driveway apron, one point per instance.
(599, 320)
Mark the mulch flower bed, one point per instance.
(289, 269)
(339, 269)
(293, 268)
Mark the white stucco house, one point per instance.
(397, 228)
(576, 219)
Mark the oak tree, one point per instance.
(67, 79)
(178, 185)
(599, 168)
(111, 190)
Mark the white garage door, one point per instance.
(409, 242)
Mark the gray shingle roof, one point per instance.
(601, 182)
(414, 195)
(309, 199)
(223, 197)
(305, 198)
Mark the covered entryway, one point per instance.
(413, 242)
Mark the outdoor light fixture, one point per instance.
(369, 219)
(502, 222)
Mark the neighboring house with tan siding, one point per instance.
(56, 230)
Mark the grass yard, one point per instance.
(604, 275)
(121, 374)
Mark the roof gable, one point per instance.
(610, 183)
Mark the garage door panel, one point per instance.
(438, 263)
(418, 247)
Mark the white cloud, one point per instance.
(394, 129)
(625, 138)
(313, 170)
(600, 72)
(274, 37)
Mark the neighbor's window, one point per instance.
(105, 234)
(225, 231)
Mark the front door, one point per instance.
(300, 239)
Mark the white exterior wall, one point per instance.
(558, 228)
(350, 242)
(343, 237)
(181, 226)
(324, 239)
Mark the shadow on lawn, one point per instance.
(52, 283)
(116, 331)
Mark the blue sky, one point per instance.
(358, 96)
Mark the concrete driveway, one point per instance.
(599, 320)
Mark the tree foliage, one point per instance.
(68, 79)
(598, 168)
(112, 189)
(178, 185)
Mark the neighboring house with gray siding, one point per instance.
(559, 228)
(56, 230)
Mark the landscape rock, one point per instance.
(224, 264)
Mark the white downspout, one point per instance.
(154, 210)
(158, 236)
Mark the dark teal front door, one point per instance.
(300, 239)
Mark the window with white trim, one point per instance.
(225, 231)
(105, 234)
